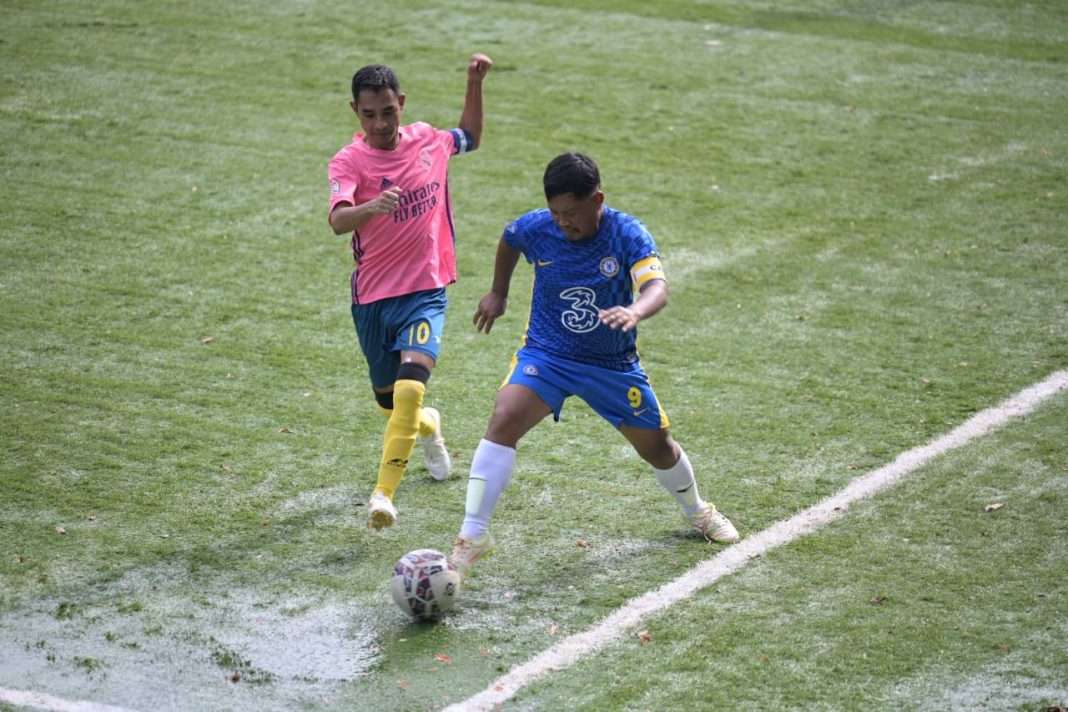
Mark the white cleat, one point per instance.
(465, 552)
(435, 454)
(713, 525)
(380, 512)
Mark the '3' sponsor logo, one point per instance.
(582, 316)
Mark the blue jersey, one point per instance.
(573, 280)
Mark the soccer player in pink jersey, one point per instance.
(389, 188)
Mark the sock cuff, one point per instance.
(495, 450)
(413, 371)
(681, 465)
(677, 478)
(492, 462)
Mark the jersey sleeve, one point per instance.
(343, 182)
(644, 260)
(516, 236)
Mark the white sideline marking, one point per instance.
(25, 698)
(573, 648)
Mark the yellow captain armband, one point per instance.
(646, 270)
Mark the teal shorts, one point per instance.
(412, 322)
(620, 397)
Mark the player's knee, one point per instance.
(505, 427)
(660, 452)
(385, 401)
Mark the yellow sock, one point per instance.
(426, 425)
(401, 430)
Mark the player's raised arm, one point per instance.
(494, 303)
(471, 118)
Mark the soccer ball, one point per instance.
(425, 584)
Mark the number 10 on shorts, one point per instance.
(420, 334)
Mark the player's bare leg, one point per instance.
(675, 474)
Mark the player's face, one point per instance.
(577, 218)
(380, 116)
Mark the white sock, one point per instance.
(679, 481)
(491, 470)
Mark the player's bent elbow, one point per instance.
(337, 223)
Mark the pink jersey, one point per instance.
(412, 249)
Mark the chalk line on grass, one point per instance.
(39, 700)
(575, 647)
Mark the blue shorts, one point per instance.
(620, 397)
(413, 322)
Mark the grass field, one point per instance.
(862, 209)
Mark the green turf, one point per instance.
(861, 209)
(920, 599)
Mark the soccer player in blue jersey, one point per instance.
(597, 273)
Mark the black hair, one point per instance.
(375, 77)
(574, 173)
